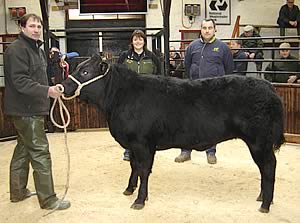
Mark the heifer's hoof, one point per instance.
(259, 198)
(127, 193)
(137, 206)
(263, 210)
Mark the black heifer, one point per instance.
(149, 113)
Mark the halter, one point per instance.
(81, 85)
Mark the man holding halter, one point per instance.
(27, 102)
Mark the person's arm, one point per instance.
(157, 64)
(298, 14)
(270, 76)
(241, 66)
(283, 16)
(18, 67)
(298, 70)
(71, 55)
(260, 43)
(228, 60)
(187, 61)
(122, 57)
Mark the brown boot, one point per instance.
(184, 156)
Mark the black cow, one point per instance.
(149, 113)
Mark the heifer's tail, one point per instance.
(279, 140)
(278, 129)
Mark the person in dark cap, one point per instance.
(289, 17)
(252, 43)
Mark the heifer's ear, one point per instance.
(96, 57)
(103, 67)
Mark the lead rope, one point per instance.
(62, 109)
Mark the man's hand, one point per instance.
(293, 23)
(54, 92)
(251, 55)
(292, 79)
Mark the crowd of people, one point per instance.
(248, 47)
(28, 94)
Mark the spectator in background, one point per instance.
(206, 57)
(139, 59)
(57, 64)
(176, 65)
(240, 67)
(283, 66)
(289, 17)
(57, 71)
(253, 43)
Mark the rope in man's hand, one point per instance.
(62, 109)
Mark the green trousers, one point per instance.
(32, 148)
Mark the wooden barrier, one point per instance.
(86, 116)
(83, 116)
(6, 127)
(290, 95)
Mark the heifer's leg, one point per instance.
(132, 184)
(144, 166)
(266, 161)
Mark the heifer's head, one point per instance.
(85, 74)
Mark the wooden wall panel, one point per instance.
(6, 127)
(290, 95)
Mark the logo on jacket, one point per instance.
(216, 49)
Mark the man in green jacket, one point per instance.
(250, 33)
(27, 102)
(284, 66)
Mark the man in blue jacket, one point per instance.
(206, 57)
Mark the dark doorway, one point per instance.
(113, 41)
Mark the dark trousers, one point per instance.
(211, 150)
(283, 25)
(32, 148)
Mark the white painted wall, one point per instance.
(251, 11)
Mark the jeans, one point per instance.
(211, 151)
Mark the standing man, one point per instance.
(27, 102)
(289, 17)
(206, 57)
